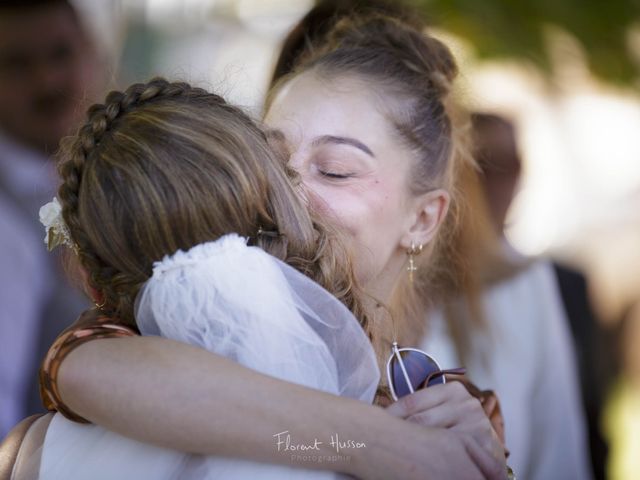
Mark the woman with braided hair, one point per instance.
(187, 227)
(456, 442)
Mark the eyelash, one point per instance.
(335, 176)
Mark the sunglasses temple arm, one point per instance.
(451, 371)
(396, 352)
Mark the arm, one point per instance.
(217, 407)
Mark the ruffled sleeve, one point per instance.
(91, 325)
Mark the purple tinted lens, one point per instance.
(419, 366)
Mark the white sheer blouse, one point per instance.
(526, 356)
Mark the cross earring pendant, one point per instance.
(411, 268)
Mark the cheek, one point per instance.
(369, 218)
(346, 209)
(358, 207)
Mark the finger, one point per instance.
(466, 415)
(497, 423)
(485, 437)
(427, 398)
(436, 418)
(464, 380)
(491, 407)
(477, 424)
(492, 467)
(489, 404)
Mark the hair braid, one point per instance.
(164, 166)
(77, 151)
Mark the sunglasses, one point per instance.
(410, 369)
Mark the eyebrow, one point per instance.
(331, 139)
(279, 136)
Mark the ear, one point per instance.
(430, 210)
(96, 296)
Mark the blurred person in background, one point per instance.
(46, 69)
(500, 167)
(509, 330)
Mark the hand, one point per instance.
(410, 451)
(451, 406)
(490, 404)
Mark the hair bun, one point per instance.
(420, 53)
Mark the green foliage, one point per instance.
(515, 28)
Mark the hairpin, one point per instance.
(268, 233)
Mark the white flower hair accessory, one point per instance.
(57, 231)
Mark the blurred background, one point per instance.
(566, 73)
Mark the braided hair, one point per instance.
(165, 166)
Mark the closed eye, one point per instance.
(338, 176)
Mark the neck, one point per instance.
(380, 292)
(381, 288)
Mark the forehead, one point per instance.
(37, 27)
(310, 104)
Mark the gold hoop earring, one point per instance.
(412, 252)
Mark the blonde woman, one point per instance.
(200, 237)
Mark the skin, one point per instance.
(45, 65)
(357, 171)
(108, 381)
